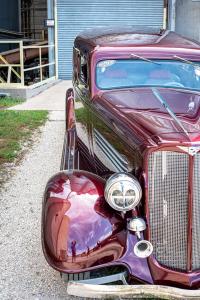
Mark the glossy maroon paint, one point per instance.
(141, 113)
(79, 230)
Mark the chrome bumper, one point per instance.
(130, 291)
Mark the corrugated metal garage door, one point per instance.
(77, 15)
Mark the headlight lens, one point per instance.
(123, 192)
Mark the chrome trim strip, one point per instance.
(63, 159)
(111, 156)
(98, 135)
(70, 150)
(106, 279)
(195, 213)
(116, 159)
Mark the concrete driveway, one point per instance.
(52, 99)
(24, 273)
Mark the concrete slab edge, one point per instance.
(27, 92)
(130, 291)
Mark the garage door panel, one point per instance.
(75, 16)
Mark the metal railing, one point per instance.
(16, 73)
(5, 64)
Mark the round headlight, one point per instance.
(123, 192)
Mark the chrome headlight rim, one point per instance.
(128, 183)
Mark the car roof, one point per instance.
(130, 36)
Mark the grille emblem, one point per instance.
(190, 150)
(193, 150)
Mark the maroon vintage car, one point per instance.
(126, 203)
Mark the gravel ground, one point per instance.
(24, 271)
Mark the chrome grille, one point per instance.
(196, 214)
(168, 207)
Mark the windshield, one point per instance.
(121, 73)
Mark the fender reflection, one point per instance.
(80, 231)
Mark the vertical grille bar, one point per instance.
(168, 207)
(190, 213)
(196, 215)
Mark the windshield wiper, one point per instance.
(187, 61)
(166, 106)
(145, 59)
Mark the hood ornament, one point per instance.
(191, 106)
(193, 150)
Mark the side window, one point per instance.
(76, 58)
(80, 67)
(83, 76)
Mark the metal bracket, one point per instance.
(106, 279)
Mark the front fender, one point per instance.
(80, 230)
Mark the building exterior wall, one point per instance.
(9, 15)
(34, 14)
(74, 16)
(187, 18)
(39, 17)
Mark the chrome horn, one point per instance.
(142, 248)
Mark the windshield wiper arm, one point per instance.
(145, 59)
(187, 61)
(166, 106)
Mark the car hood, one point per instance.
(143, 113)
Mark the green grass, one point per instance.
(81, 115)
(15, 128)
(8, 102)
